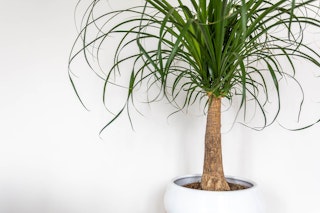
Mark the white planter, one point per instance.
(179, 199)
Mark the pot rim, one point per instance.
(233, 179)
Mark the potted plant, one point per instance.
(204, 51)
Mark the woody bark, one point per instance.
(213, 176)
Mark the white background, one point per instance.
(52, 159)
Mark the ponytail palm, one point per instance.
(201, 51)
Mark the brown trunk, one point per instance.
(213, 176)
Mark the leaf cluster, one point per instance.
(199, 49)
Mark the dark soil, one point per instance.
(233, 187)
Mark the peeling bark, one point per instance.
(213, 176)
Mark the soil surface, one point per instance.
(233, 187)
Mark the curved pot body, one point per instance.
(179, 199)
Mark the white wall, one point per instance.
(52, 159)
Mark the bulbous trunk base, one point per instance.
(212, 183)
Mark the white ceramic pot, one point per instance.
(179, 199)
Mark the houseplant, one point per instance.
(203, 51)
